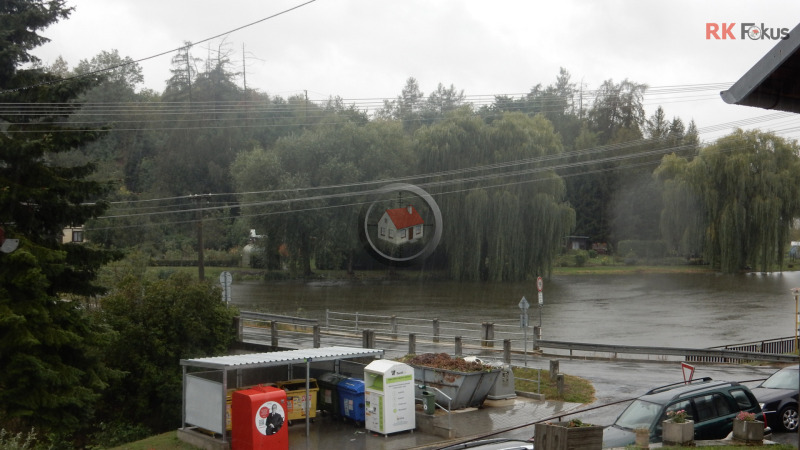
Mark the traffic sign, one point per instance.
(523, 304)
(539, 284)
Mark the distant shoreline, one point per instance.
(335, 276)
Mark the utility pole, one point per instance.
(244, 72)
(201, 265)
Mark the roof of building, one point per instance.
(774, 81)
(404, 217)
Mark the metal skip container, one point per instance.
(466, 389)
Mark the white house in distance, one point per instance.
(72, 234)
(400, 225)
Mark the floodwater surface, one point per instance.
(673, 310)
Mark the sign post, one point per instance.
(796, 292)
(225, 279)
(523, 323)
(539, 286)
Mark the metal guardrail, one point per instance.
(485, 336)
(713, 355)
(249, 315)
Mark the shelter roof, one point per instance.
(255, 360)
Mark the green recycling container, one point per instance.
(429, 402)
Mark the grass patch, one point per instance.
(733, 447)
(165, 441)
(635, 270)
(576, 389)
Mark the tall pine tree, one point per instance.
(50, 348)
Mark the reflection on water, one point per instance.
(692, 310)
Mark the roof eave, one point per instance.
(761, 87)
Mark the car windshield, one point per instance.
(640, 414)
(782, 379)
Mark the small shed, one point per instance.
(205, 392)
(576, 242)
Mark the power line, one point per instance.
(108, 69)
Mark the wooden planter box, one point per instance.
(750, 432)
(677, 433)
(558, 436)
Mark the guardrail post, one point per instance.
(488, 334)
(317, 337)
(274, 334)
(394, 327)
(553, 369)
(459, 347)
(412, 344)
(239, 328)
(436, 330)
(507, 351)
(368, 339)
(327, 319)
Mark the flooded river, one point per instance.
(676, 310)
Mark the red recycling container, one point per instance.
(259, 419)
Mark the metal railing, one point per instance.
(484, 337)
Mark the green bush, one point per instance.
(19, 441)
(115, 434)
(642, 249)
(581, 256)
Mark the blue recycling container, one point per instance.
(351, 399)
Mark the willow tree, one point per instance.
(682, 221)
(746, 185)
(504, 212)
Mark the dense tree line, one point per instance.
(589, 155)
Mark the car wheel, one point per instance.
(789, 418)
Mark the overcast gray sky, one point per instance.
(366, 49)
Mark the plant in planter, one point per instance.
(573, 434)
(747, 429)
(677, 429)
